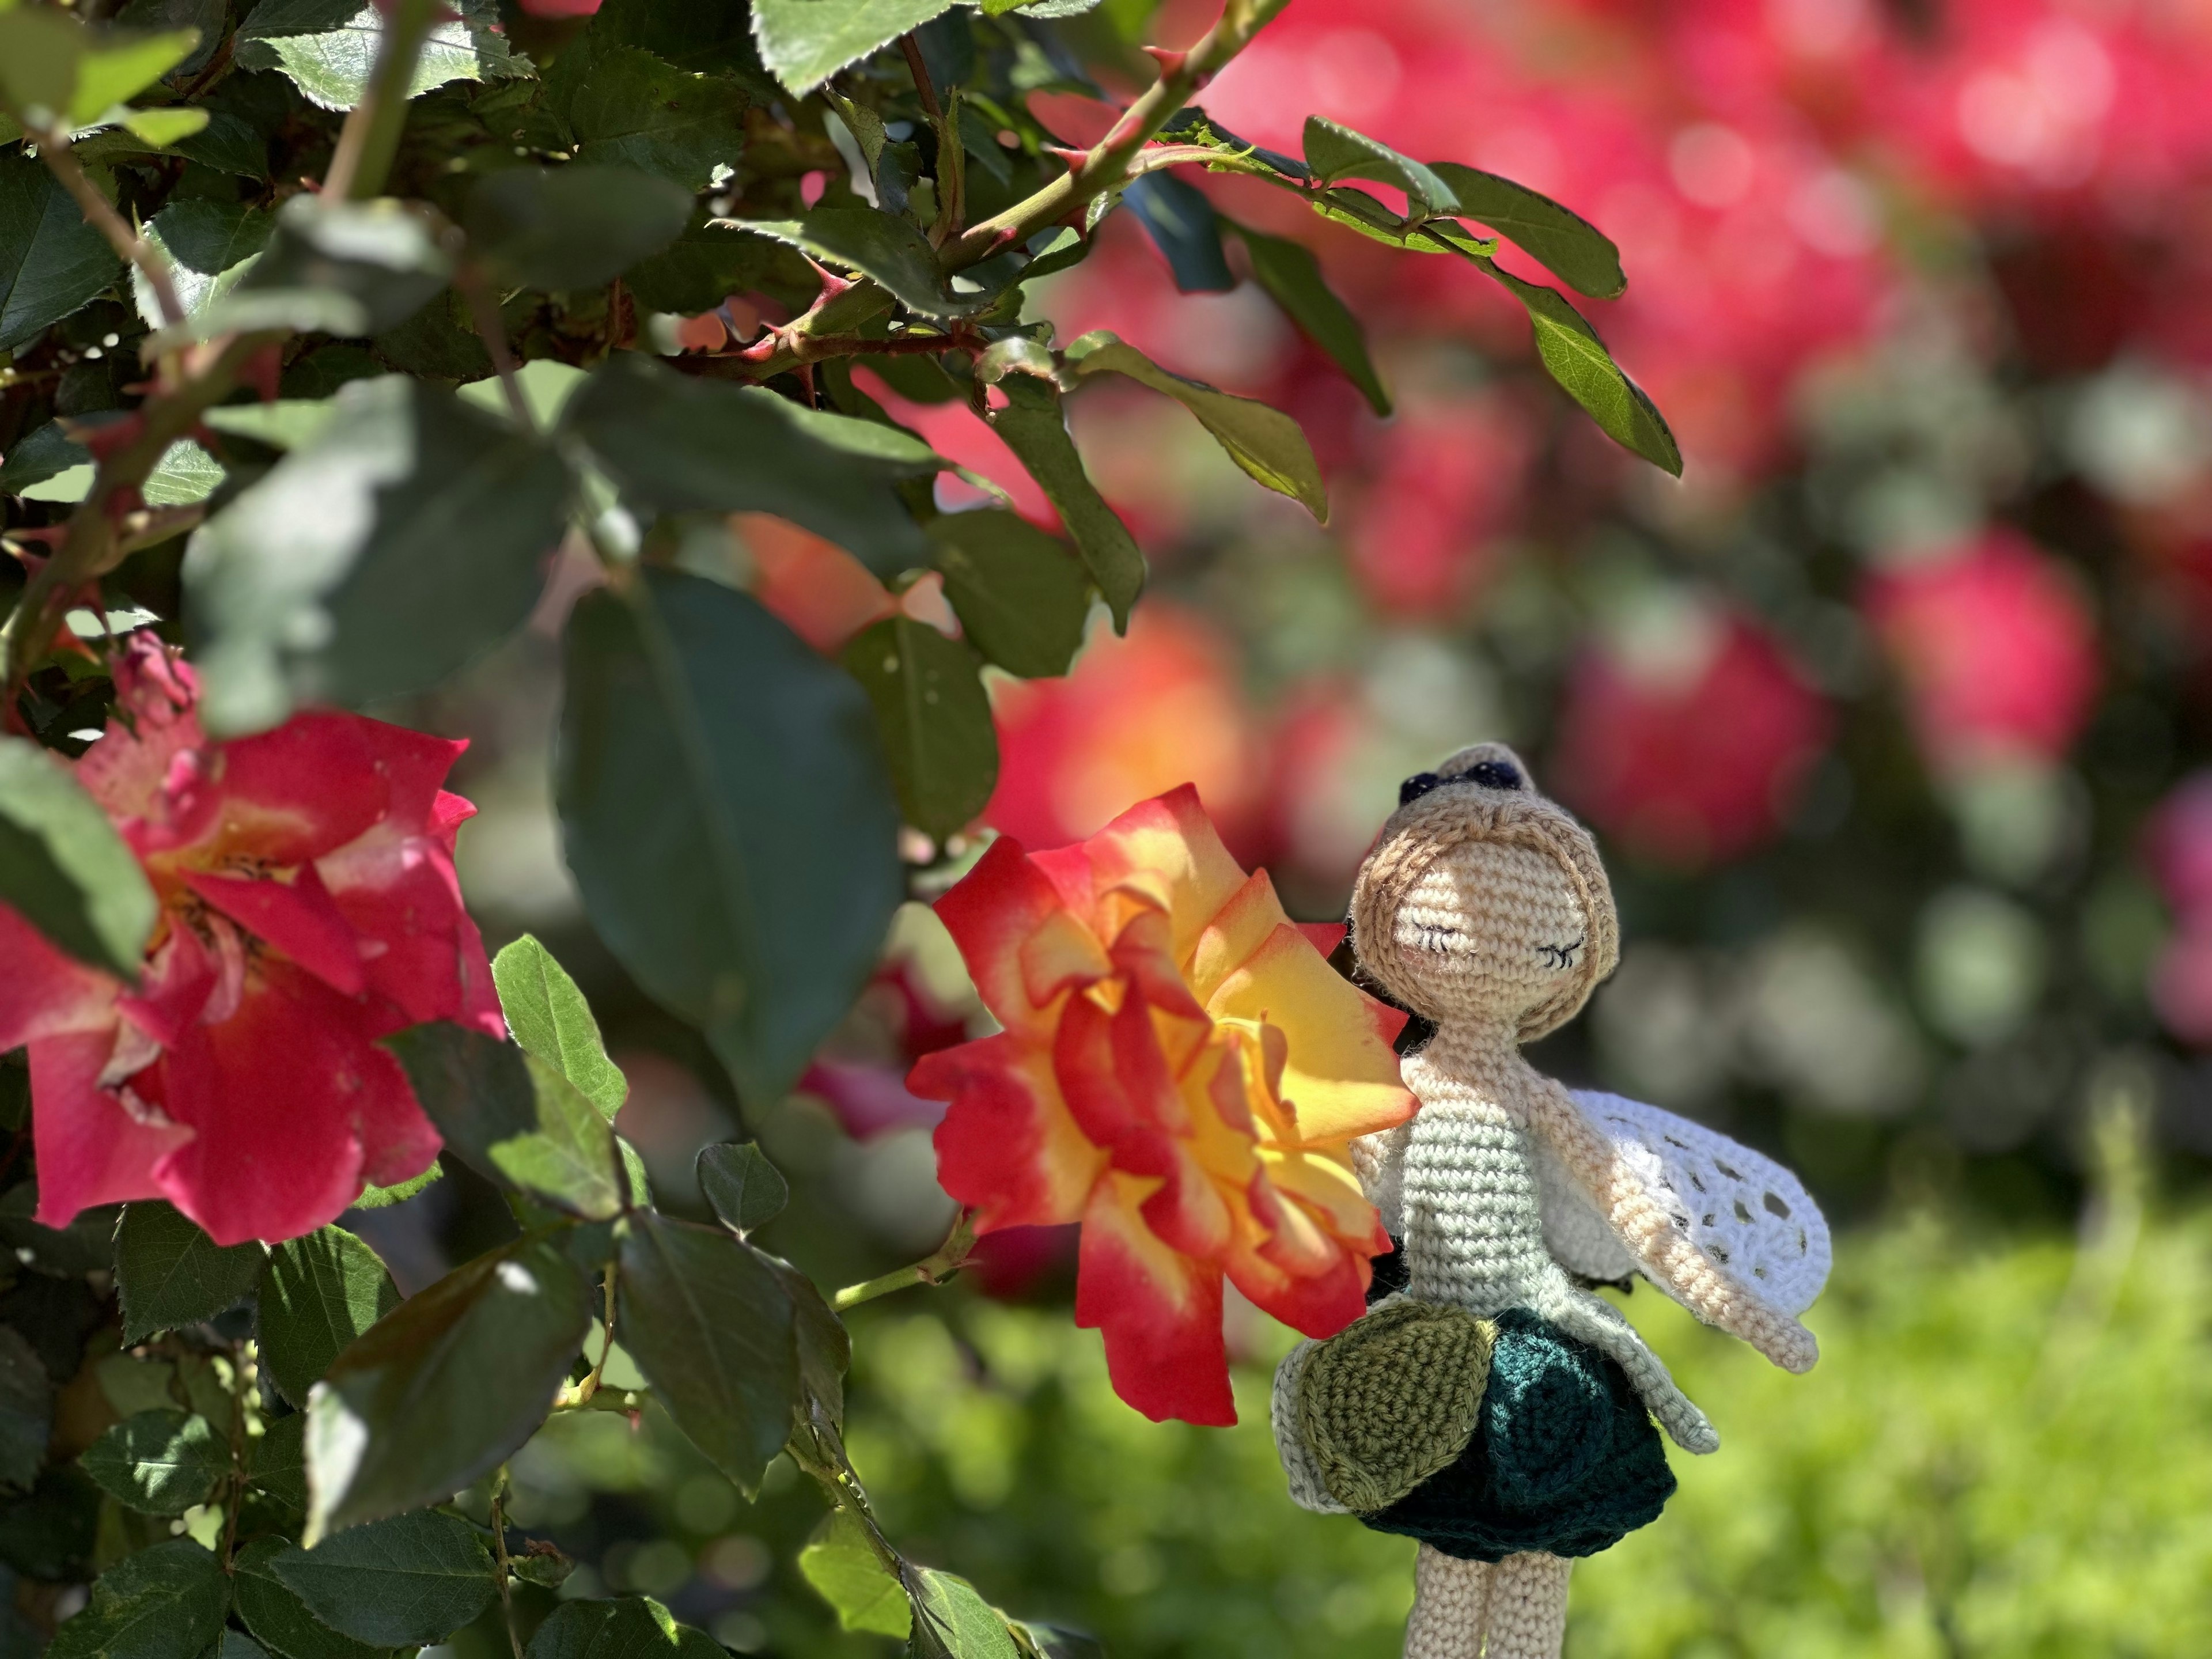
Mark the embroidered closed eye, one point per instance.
(1444, 941)
(1558, 956)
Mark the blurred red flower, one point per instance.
(308, 907)
(1179, 1072)
(1137, 715)
(2178, 845)
(1688, 745)
(1996, 648)
(1446, 484)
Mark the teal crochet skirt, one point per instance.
(1563, 1460)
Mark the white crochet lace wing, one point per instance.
(1742, 1208)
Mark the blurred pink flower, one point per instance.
(2178, 844)
(1996, 648)
(1446, 485)
(1689, 753)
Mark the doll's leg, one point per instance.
(1451, 1599)
(1528, 1608)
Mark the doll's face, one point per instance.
(1489, 931)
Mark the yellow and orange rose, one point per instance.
(1180, 1071)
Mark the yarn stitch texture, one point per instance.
(1394, 1398)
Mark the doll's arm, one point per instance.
(1588, 1319)
(1663, 1250)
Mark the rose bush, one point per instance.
(308, 907)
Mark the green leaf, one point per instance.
(209, 245)
(1578, 361)
(1184, 226)
(411, 1580)
(165, 1602)
(45, 452)
(633, 111)
(512, 1116)
(117, 67)
(279, 1619)
(550, 1017)
(160, 1462)
(287, 423)
(276, 1464)
(408, 537)
(349, 268)
(1292, 278)
(681, 445)
(64, 869)
(746, 1191)
(1266, 442)
(825, 1348)
(709, 262)
(1566, 244)
(953, 1621)
(1336, 153)
(1035, 429)
(891, 251)
(161, 127)
(1021, 596)
(743, 871)
(446, 1387)
(710, 1325)
(934, 718)
(184, 474)
(169, 1272)
(27, 1410)
(52, 260)
(804, 42)
(577, 227)
(842, 1565)
(318, 1293)
(383, 1198)
(626, 1627)
(333, 67)
(236, 1644)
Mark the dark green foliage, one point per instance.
(412, 1579)
(689, 446)
(168, 1273)
(1021, 595)
(744, 872)
(450, 515)
(318, 1293)
(446, 1387)
(26, 1411)
(934, 719)
(582, 227)
(1184, 226)
(634, 112)
(1036, 431)
(550, 1017)
(165, 1602)
(161, 1462)
(63, 867)
(628, 1627)
(52, 261)
(746, 1189)
(709, 1323)
(279, 1619)
(515, 1117)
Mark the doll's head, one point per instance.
(1484, 901)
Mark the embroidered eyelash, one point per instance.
(1560, 955)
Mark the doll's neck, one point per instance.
(1469, 1057)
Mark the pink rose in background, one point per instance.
(2178, 845)
(308, 907)
(1996, 648)
(1689, 752)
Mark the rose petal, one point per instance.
(1007, 1146)
(297, 917)
(1158, 1310)
(91, 1148)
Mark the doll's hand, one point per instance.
(1600, 1324)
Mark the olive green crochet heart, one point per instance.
(1392, 1398)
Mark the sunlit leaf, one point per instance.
(63, 867)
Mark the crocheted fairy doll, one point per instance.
(1488, 1404)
